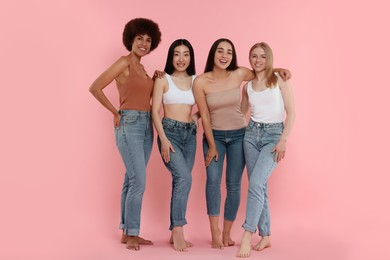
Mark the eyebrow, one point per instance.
(179, 51)
(142, 35)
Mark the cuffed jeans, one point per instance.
(229, 142)
(134, 139)
(260, 139)
(183, 139)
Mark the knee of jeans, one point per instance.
(256, 189)
(233, 187)
(213, 178)
(185, 181)
(138, 186)
(213, 182)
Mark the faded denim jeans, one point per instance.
(229, 143)
(183, 139)
(134, 139)
(260, 139)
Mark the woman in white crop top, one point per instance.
(271, 104)
(177, 131)
(218, 96)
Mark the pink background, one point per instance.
(61, 173)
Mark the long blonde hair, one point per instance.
(270, 77)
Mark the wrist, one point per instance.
(283, 139)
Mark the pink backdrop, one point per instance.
(61, 173)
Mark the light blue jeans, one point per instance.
(183, 139)
(229, 142)
(134, 139)
(260, 139)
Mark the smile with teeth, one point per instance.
(223, 61)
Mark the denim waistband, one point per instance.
(178, 123)
(134, 113)
(252, 124)
(235, 131)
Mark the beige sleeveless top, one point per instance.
(225, 110)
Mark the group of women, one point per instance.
(222, 107)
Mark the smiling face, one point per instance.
(181, 58)
(141, 45)
(257, 59)
(223, 55)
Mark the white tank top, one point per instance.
(174, 95)
(267, 106)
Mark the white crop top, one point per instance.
(174, 95)
(267, 106)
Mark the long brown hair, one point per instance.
(270, 77)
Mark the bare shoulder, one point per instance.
(200, 80)
(123, 61)
(243, 70)
(161, 82)
(244, 73)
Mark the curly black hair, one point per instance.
(139, 26)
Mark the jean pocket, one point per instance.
(130, 119)
(168, 126)
(274, 131)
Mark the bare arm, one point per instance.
(245, 100)
(195, 117)
(200, 98)
(289, 106)
(160, 86)
(246, 73)
(103, 81)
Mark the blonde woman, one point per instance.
(271, 104)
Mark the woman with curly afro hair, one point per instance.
(132, 121)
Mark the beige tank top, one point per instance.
(225, 110)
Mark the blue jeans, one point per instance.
(260, 139)
(134, 139)
(229, 142)
(183, 139)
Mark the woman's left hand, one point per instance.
(158, 74)
(279, 150)
(195, 118)
(285, 74)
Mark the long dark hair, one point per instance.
(169, 68)
(210, 59)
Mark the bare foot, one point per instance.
(227, 241)
(179, 244)
(263, 243)
(141, 241)
(132, 243)
(216, 239)
(188, 244)
(245, 247)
